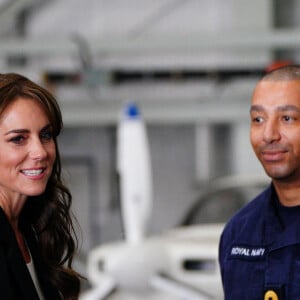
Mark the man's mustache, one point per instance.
(274, 148)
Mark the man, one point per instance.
(260, 246)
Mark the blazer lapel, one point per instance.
(15, 261)
(21, 273)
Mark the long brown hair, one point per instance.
(49, 213)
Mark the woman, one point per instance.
(37, 238)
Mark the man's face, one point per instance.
(275, 128)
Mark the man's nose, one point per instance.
(271, 132)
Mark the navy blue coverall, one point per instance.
(259, 254)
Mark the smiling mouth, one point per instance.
(35, 172)
(273, 155)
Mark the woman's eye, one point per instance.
(46, 135)
(17, 139)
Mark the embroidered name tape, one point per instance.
(247, 252)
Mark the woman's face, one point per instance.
(27, 149)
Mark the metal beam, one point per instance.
(99, 114)
(268, 40)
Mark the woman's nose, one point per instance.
(37, 150)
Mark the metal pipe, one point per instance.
(268, 40)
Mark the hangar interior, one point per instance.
(189, 65)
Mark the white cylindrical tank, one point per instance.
(134, 167)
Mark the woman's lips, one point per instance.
(34, 173)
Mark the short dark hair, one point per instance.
(290, 72)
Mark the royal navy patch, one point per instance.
(247, 252)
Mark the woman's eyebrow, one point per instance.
(21, 130)
(17, 131)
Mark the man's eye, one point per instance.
(17, 139)
(288, 118)
(257, 119)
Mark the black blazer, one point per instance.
(15, 279)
